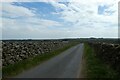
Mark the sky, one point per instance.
(53, 19)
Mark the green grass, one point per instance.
(14, 69)
(95, 68)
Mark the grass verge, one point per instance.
(14, 69)
(95, 68)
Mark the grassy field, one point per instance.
(12, 70)
(95, 68)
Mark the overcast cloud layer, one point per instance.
(84, 18)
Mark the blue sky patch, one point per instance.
(42, 9)
(102, 9)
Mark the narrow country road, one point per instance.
(65, 65)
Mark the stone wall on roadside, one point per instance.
(15, 51)
(108, 53)
(0, 56)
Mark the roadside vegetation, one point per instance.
(14, 69)
(94, 67)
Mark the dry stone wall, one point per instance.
(0, 56)
(108, 53)
(14, 51)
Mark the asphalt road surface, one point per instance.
(65, 65)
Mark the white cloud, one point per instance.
(31, 28)
(86, 9)
(84, 14)
(20, 22)
(13, 11)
